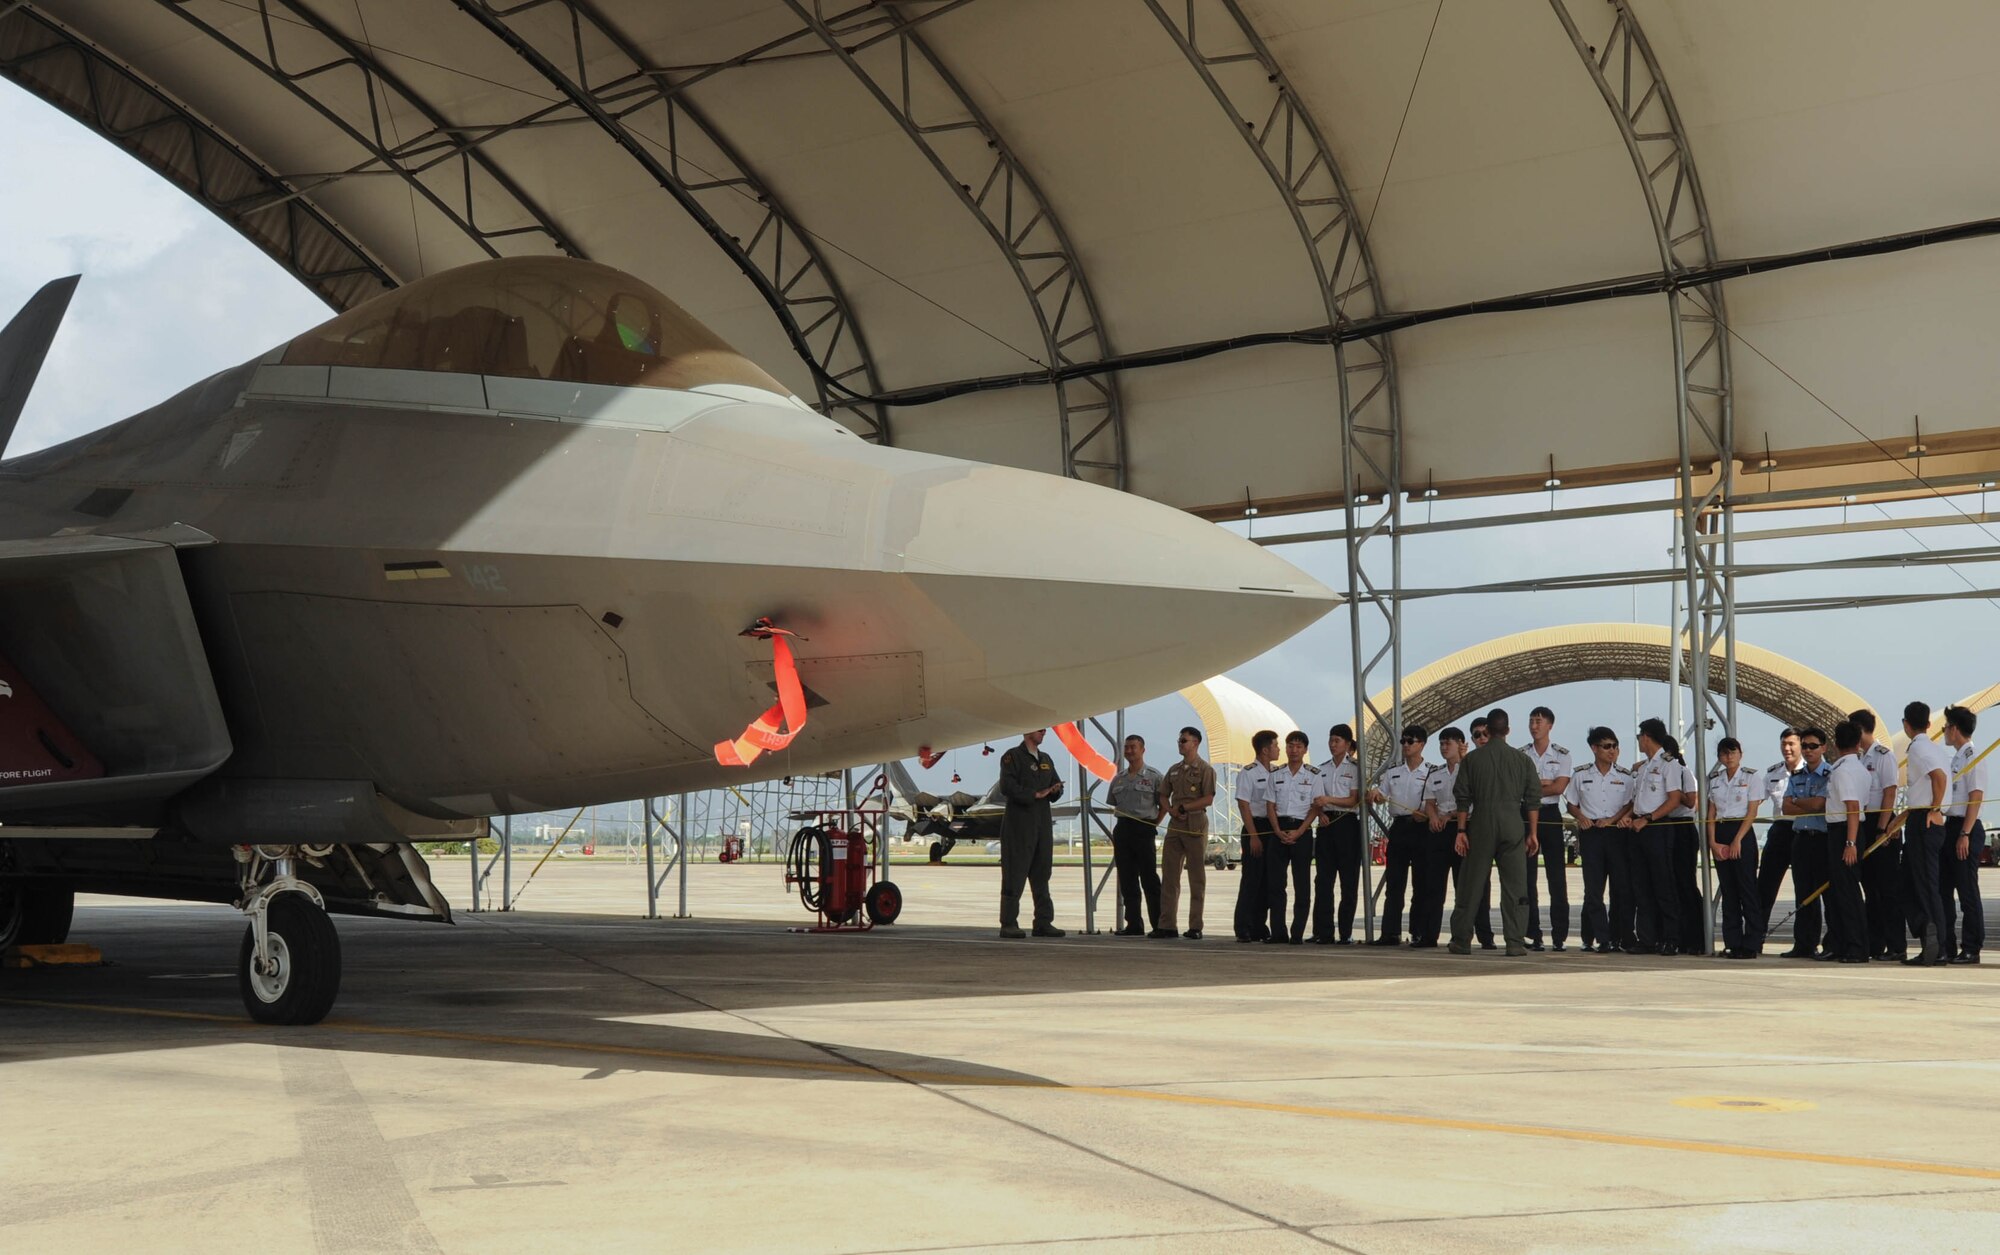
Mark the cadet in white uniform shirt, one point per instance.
(1684, 849)
(1339, 845)
(1552, 764)
(1734, 795)
(1965, 838)
(1434, 867)
(1923, 836)
(1599, 797)
(1295, 788)
(1882, 871)
(1401, 789)
(1850, 791)
(1656, 909)
(1253, 791)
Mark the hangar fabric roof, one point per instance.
(1230, 715)
(1482, 675)
(914, 193)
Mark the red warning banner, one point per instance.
(35, 747)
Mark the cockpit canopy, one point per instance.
(532, 318)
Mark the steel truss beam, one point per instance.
(319, 65)
(723, 195)
(1627, 75)
(1265, 109)
(975, 162)
(149, 125)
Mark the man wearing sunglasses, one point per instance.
(1401, 789)
(1599, 798)
(1805, 806)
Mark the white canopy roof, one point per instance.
(1067, 177)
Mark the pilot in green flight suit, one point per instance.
(1029, 782)
(1500, 788)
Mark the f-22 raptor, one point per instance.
(490, 543)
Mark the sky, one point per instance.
(172, 295)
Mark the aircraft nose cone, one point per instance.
(1081, 599)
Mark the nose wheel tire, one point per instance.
(884, 902)
(303, 977)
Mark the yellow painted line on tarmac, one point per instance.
(832, 1067)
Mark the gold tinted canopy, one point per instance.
(532, 318)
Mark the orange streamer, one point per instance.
(775, 728)
(1079, 749)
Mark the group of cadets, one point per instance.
(1867, 878)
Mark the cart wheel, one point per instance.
(884, 902)
(937, 851)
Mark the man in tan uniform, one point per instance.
(1187, 792)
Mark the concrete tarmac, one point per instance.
(568, 1076)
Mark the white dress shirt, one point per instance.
(1927, 756)
(1600, 794)
(1966, 780)
(1851, 781)
(1438, 787)
(1681, 776)
(1293, 792)
(1341, 779)
(1880, 761)
(1403, 785)
(1652, 783)
(1732, 794)
(1777, 778)
(1554, 763)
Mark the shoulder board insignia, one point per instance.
(1557, 748)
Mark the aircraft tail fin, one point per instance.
(24, 343)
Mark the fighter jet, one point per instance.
(515, 537)
(949, 818)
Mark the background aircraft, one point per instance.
(490, 543)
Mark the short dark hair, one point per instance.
(1263, 740)
(1813, 732)
(1655, 728)
(1601, 735)
(1496, 722)
(1847, 734)
(1296, 737)
(1962, 718)
(1729, 745)
(1417, 730)
(1863, 720)
(1786, 733)
(1452, 734)
(1193, 732)
(1477, 723)
(1134, 736)
(1343, 731)
(1544, 712)
(1918, 715)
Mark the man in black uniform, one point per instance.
(1029, 782)
(1253, 790)
(1777, 852)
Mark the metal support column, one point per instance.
(656, 823)
(1627, 75)
(681, 836)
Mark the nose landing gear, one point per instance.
(288, 967)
